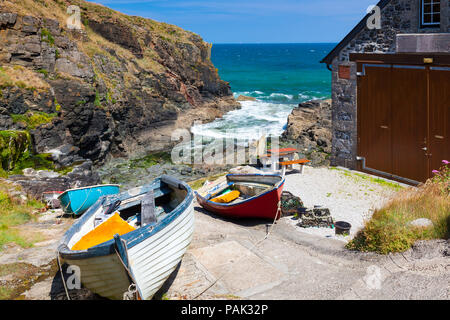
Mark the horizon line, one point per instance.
(274, 42)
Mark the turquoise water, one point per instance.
(280, 76)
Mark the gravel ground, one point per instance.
(350, 196)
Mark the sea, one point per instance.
(279, 76)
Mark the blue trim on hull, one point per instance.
(132, 238)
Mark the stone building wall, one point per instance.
(399, 16)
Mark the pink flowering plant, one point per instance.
(442, 176)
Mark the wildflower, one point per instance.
(435, 172)
(445, 162)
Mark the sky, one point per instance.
(253, 21)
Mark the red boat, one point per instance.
(251, 195)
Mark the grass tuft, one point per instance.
(389, 229)
(360, 177)
(18, 76)
(15, 212)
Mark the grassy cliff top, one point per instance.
(138, 35)
(57, 10)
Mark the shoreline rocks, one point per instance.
(309, 130)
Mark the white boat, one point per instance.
(163, 215)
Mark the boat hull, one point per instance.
(154, 259)
(77, 201)
(151, 262)
(264, 206)
(151, 253)
(103, 275)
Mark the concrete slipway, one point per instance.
(228, 260)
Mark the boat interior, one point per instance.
(137, 207)
(241, 188)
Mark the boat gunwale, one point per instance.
(132, 238)
(227, 205)
(89, 187)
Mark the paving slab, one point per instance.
(242, 272)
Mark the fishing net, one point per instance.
(317, 217)
(290, 204)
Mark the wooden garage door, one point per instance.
(403, 120)
(439, 117)
(374, 117)
(409, 122)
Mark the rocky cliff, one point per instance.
(309, 130)
(117, 87)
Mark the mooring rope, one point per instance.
(258, 243)
(127, 295)
(86, 199)
(62, 276)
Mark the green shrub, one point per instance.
(46, 36)
(97, 102)
(13, 145)
(33, 119)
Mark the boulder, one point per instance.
(7, 19)
(421, 223)
(65, 155)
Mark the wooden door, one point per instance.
(439, 117)
(374, 117)
(409, 122)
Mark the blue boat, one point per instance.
(77, 201)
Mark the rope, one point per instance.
(87, 197)
(126, 295)
(62, 277)
(70, 202)
(258, 243)
(131, 293)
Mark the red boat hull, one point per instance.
(264, 206)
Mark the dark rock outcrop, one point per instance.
(34, 183)
(309, 130)
(119, 87)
